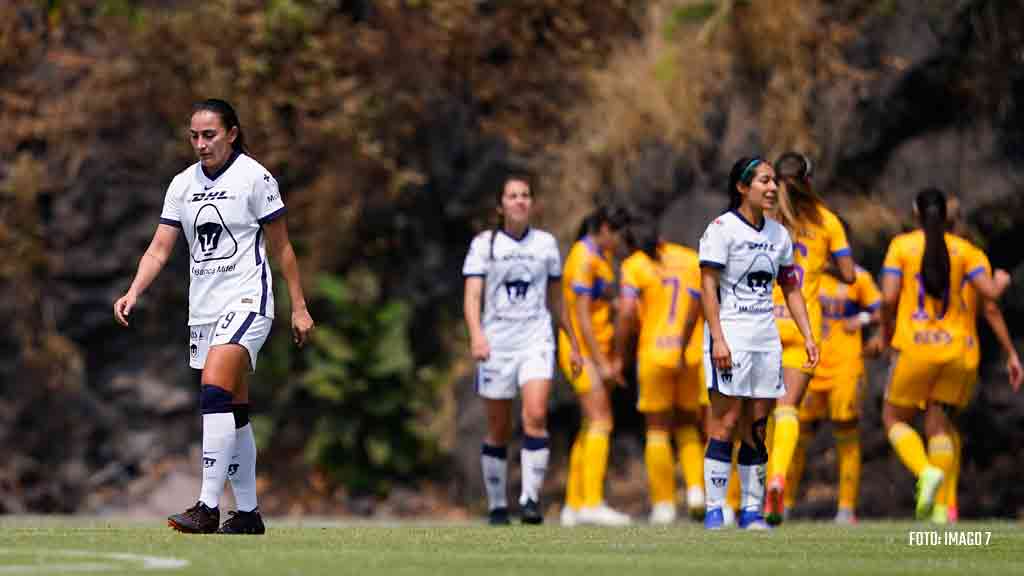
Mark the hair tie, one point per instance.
(753, 162)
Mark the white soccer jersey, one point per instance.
(749, 260)
(516, 280)
(222, 219)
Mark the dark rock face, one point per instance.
(86, 406)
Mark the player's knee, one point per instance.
(215, 400)
(535, 422)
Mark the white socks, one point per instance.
(494, 463)
(218, 449)
(534, 460)
(242, 471)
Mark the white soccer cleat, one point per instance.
(569, 516)
(728, 516)
(695, 502)
(845, 517)
(663, 513)
(927, 485)
(603, 515)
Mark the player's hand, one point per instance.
(575, 363)
(1016, 372)
(123, 308)
(1001, 278)
(812, 354)
(302, 325)
(480, 349)
(605, 369)
(721, 357)
(617, 369)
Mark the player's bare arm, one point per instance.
(281, 247)
(150, 265)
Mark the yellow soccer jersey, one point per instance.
(841, 349)
(588, 271)
(664, 290)
(812, 248)
(969, 304)
(934, 327)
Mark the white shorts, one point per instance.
(246, 328)
(753, 375)
(501, 375)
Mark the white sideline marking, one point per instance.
(122, 561)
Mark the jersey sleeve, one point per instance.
(554, 262)
(786, 254)
(868, 295)
(714, 245)
(478, 256)
(788, 274)
(583, 276)
(975, 263)
(893, 263)
(632, 283)
(691, 278)
(171, 213)
(838, 245)
(268, 205)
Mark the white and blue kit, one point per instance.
(515, 319)
(231, 296)
(749, 260)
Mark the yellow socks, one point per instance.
(595, 464)
(691, 455)
(908, 445)
(848, 450)
(661, 473)
(732, 496)
(941, 455)
(574, 482)
(954, 474)
(796, 468)
(787, 433)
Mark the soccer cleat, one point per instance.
(774, 505)
(663, 513)
(531, 513)
(927, 484)
(569, 516)
(751, 520)
(603, 515)
(695, 502)
(728, 516)
(845, 517)
(243, 523)
(940, 514)
(714, 519)
(498, 517)
(199, 519)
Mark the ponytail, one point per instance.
(799, 205)
(935, 266)
(616, 217)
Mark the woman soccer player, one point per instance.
(817, 235)
(923, 275)
(224, 204)
(945, 509)
(519, 268)
(587, 288)
(661, 292)
(742, 254)
(835, 391)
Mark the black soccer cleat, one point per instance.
(243, 523)
(199, 519)
(498, 517)
(531, 513)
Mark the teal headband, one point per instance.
(750, 166)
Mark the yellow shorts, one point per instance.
(794, 354)
(914, 381)
(838, 398)
(586, 378)
(971, 362)
(663, 388)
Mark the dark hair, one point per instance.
(510, 172)
(935, 267)
(228, 118)
(799, 204)
(643, 236)
(742, 171)
(616, 217)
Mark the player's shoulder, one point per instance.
(679, 253)
(253, 169)
(828, 218)
(544, 238)
(634, 260)
(906, 239)
(775, 231)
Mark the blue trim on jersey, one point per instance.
(893, 271)
(712, 264)
(256, 246)
(474, 275)
(850, 309)
(971, 275)
(694, 292)
(630, 291)
(170, 222)
(589, 243)
(843, 252)
(220, 171)
(263, 290)
(241, 329)
(747, 222)
(874, 306)
(273, 215)
(582, 289)
(521, 238)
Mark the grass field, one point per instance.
(78, 546)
